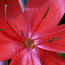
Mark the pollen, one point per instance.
(29, 43)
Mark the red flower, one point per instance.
(32, 37)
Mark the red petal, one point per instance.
(7, 29)
(36, 3)
(49, 58)
(19, 23)
(7, 44)
(17, 60)
(55, 13)
(15, 17)
(25, 58)
(57, 45)
(13, 8)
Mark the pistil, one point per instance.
(29, 43)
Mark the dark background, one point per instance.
(62, 21)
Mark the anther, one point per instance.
(54, 39)
(21, 32)
(45, 13)
(39, 23)
(15, 52)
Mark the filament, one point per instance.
(15, 52)
(39, 23)
(10, 25)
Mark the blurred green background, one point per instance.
(25, 1)
(63, 55)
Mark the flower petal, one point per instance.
(7, 44)
(53, 39)
(19, 24)
(15, 18)
(7, 29)
(17, 60)
(13, 8)
(49, 58)
(54, 15)
(25, 58)
(36, 3)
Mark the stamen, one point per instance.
(22, 32)
(10, 25)
(54, 39)
(39, 23)
(15, 52)
(45, 13)
(5, 12)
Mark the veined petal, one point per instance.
(49, 58)
(54, 15)
(17, 60)
(7, 29)
(31, 11)
(25, 58)
(7, 44)
(19, 23)
(36, 3)
(13, 8)
(15, 18)
(53, 39)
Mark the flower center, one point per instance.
(29, 43)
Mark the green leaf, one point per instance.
(25, 1)
(1, 29)
(62, 54)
